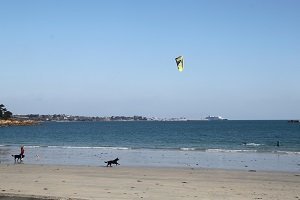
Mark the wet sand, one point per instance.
(76, 182)
(11, 197)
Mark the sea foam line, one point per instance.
(166, 149)
(229, 150)
(252, 144)
(187, 149)
(76, 147)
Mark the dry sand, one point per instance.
(63, 182)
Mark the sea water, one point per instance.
(247, 145)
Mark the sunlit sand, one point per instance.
(76, 182)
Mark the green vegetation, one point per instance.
(6, 119)
(4, 113)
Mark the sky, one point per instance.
(108, 58)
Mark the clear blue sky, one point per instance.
(103, 58)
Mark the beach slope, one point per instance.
(76, 182)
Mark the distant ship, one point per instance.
(213, 118)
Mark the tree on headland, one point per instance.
(1, 110)
(4, 113)
(7, 120)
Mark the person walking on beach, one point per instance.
(22, 152)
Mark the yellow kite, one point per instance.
(179, 62)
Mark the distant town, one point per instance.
(70, 118)
(7, 118)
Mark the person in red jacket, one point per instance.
(22, 152)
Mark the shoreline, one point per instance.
(84, 182)
(155, 158)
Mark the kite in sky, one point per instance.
(179, 62)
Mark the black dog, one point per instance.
(115, 161)
(18, 157)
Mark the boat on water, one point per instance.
(214, 118)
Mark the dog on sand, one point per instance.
(110, 162)
(18, 157)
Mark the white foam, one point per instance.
(33, 146)
(253, 144)
(187, 149)
(74, 147)
(229, 150)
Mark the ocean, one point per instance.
(231, 144)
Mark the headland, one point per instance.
(16, 122)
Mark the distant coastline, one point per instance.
(33, 119)
(71, 118)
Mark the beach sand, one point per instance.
(83, 182)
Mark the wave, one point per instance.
(251, 151)
(33, 146)
(5, 145)
(187, 149)
(115, 148)
(78, 147)
(252, 144)
(230, 150)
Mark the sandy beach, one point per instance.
(80, 182)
